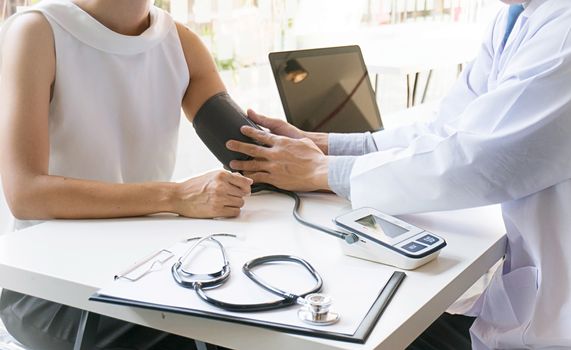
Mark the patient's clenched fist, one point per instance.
(215, 194)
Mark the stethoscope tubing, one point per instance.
(213, 280)
(278, 304)
(248, 266)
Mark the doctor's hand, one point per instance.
(285, 162)
(283, 128)
(214, 194)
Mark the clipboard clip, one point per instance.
(152, 263)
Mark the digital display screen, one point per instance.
(385, 230)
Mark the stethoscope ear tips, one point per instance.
(317, 311)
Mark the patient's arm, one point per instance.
(205, 82)
(204, 78)
(34, 194)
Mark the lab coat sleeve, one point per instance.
(508, 143)
(471, 83)
(339, 174)
(352, 144)
(343, 149)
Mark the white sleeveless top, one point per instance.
(115, 110)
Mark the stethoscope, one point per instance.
(315, 306)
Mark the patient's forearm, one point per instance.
(51, 197)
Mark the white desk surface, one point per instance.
(67, 261)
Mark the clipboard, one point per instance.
(126, 292)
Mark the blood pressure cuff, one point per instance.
(218, 121)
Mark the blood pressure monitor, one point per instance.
(388, 240)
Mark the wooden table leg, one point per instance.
(426, 86)
(408, 99)
(414, 88)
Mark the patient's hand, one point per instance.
(285, 162)
(215, 194)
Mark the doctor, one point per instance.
(502, 135)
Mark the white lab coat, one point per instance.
(503, 135)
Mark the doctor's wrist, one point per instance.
(320, 139)
(320, 174)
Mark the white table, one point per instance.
(67, 261)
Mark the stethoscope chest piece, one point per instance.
(317, 311)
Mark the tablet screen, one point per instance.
(326, 90)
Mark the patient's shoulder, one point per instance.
(28, 26)
(27, 34)
(197, 56)
(189, 40)
(27, 45)
(184, 32)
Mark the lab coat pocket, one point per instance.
(520, 287)
(508, 306)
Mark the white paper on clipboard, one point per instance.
(353, 284)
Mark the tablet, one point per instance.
(326, 89)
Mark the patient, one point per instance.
(91, 92)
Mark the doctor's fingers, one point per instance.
(262, 120)
(250, 165)
(260, 177)
(249, 149)
(261, 136)
(276, 126)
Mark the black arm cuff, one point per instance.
(218, 121)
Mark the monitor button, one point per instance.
(413, 247)
(428, 239)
